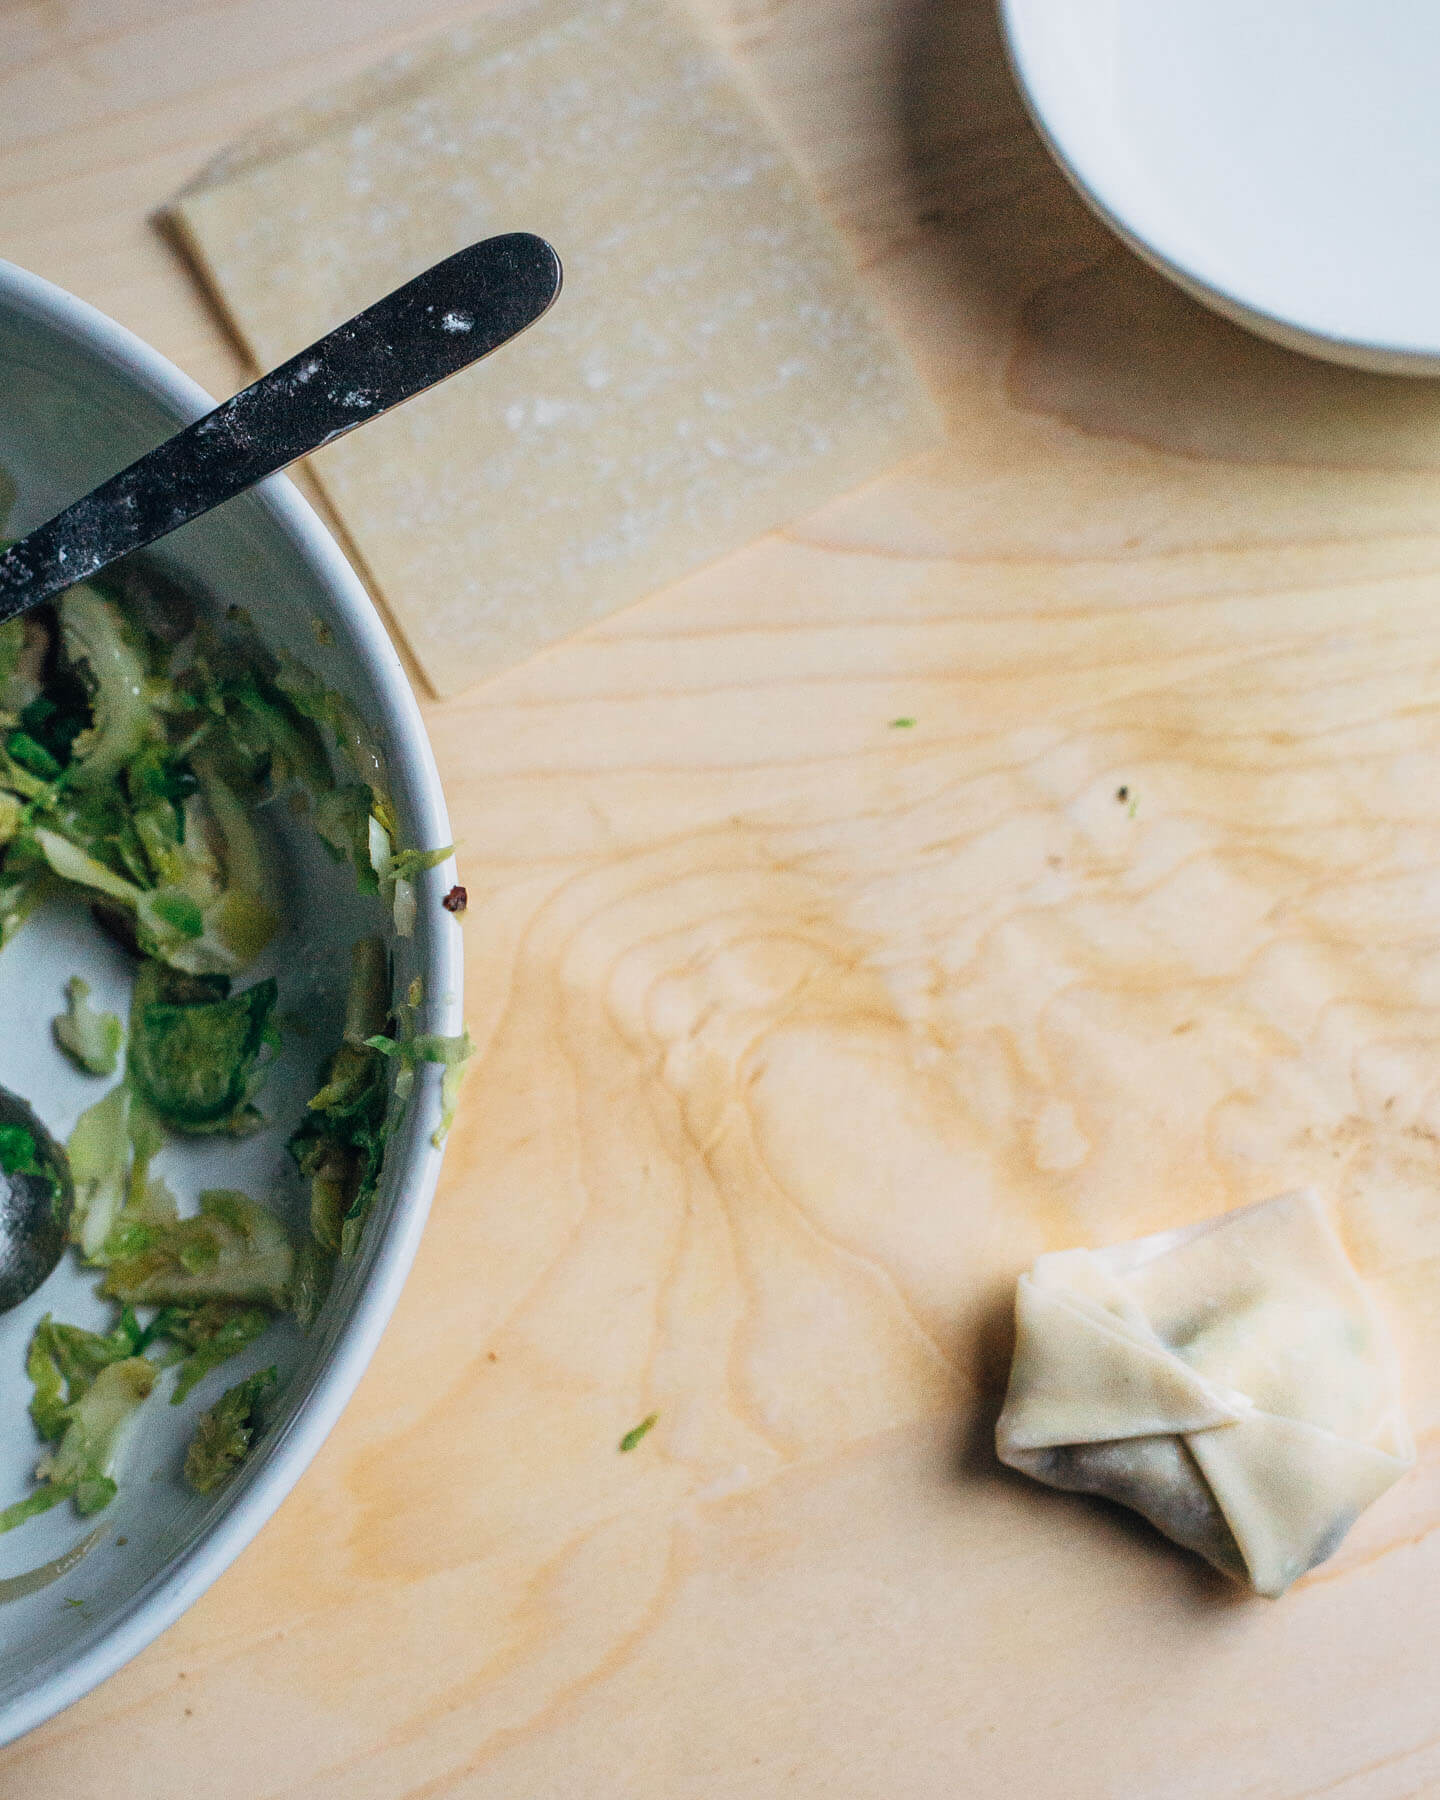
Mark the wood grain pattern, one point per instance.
(803, 1031)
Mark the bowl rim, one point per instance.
(1046, 106)
(159, 1602)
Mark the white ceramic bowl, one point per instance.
(1281, 160)
(79, 398)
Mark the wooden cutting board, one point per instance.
(804, 1029)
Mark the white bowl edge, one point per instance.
(1153, 246)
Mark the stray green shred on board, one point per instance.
(902, 724)
(634, 1435)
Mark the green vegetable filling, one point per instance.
(212, 1333)
(340, 1144)
(195, 1051)
(226, 1433)
(88, 1388)
(135, 748)
(92, 1040)
(232, 1249)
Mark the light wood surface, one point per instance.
(802, 1031)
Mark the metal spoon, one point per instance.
(434, 326)
(36, 1198)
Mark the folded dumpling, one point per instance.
(1232, 1382)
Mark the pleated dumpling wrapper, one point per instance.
(1232, 1382)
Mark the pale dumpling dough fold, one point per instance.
(1232, 1382)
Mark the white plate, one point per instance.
(1281, 160)
(79, 398)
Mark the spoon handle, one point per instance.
(434, 326)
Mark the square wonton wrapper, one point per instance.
(712, 370)
(1231, 1382)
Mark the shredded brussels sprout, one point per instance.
(91, 1039)
(225, 1434)
(138, 749)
